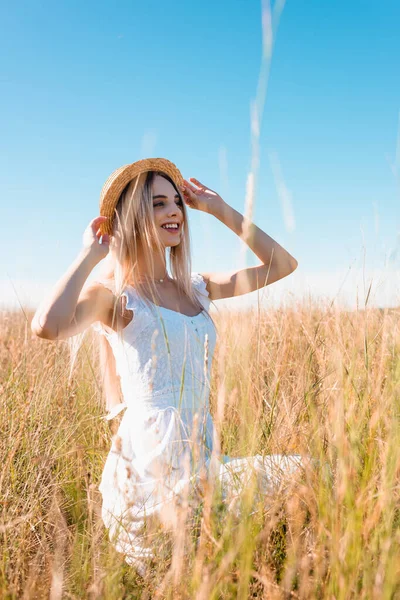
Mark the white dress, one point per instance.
(164, 363)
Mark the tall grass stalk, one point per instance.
(311, 380)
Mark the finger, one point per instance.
(197, 182)
(191, 188)
(98, 226)
(187, 184)
(203, 187)
(97, 223)
(191, 197)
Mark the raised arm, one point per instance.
(69, 309)
(277, 263)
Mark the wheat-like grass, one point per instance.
(311, 380)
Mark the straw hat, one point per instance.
(117, 181)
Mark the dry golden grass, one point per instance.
(308, 380)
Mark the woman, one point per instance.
(158, 341)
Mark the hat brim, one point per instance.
(117, 181)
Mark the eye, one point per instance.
(178, 202)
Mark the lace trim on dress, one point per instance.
(200, 285)
(133, 301)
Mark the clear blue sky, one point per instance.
(88, 87)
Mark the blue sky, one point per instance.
(88, 87)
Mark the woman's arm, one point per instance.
(263, 246)
(277, 263)
(56, 314)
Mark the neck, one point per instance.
(159, 270)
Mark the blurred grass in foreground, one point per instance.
(309, 380)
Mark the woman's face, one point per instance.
(167, 207)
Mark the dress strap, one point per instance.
(133, 303)
(199, 285)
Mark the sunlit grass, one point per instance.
(308, 380)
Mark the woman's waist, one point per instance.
(185, 396)
(144, 399)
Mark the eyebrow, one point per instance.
(164, 197)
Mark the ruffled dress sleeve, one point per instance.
(200, 286)
(133, 303)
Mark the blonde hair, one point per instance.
(134, 234)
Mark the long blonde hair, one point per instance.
(134, 233)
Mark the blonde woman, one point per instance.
(157, 343)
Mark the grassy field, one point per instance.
(310, 380)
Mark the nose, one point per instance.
(173, 211)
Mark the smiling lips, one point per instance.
(171, 229)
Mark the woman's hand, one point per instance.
(91, 239)
(200, 197)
